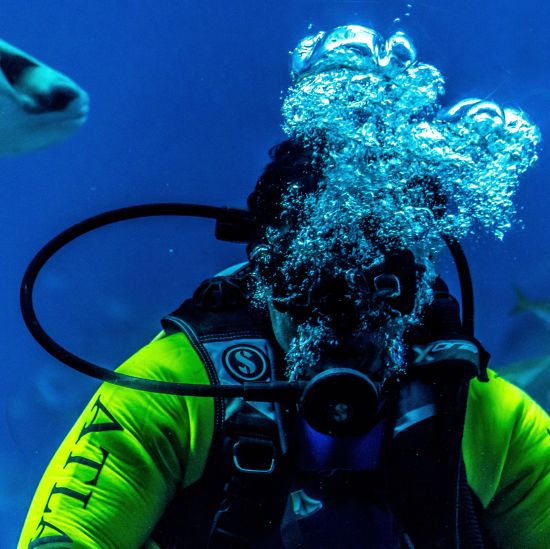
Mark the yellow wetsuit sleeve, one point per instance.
(506, 449)
(122, 462)
(120, 465)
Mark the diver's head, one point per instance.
(279, 206)
(335, 294)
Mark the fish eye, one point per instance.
(13, 66)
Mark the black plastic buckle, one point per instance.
(254, 456)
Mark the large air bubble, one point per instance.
(396, 163)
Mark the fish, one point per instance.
(539, 307)
(532, 375)
(39, 106)
(526, 372)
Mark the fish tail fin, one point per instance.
(522, 303)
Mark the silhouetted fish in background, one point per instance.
(532, 374)
(38, 105)
(539, 307)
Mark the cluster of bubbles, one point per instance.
(398, 171)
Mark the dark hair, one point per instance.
(292, 162)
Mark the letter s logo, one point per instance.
(245, 362)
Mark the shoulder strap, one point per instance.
(233, 339)
(426, 469)
(236, 344)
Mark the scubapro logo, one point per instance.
(245, 362)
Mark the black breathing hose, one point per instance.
(466, 286)
(250, 391)
(233, 225)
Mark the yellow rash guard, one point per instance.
(120, 465)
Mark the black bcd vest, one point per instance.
(272, 482)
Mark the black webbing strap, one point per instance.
(255, 494)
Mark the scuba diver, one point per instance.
(348, 402)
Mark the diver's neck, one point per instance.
(284, 328)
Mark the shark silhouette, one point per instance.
(38, 105)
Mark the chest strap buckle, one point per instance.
(254, 456)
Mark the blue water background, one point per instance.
(185, 103)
